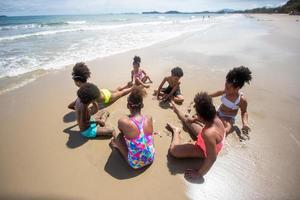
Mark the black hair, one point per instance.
(177, 71)
(81, 72)
(136, 60)
(238, 76)
(88, 92)
(135, 99)
(204, 106)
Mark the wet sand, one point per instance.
(44, 157)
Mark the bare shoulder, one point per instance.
(123, 120)
(149, 118)
(210, 134)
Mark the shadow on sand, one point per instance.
(118, 168)
(179, 166)
(76, 139)
(69, 117)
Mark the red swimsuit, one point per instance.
(201, 144)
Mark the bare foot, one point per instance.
(173, 128)
(115, 143)
(114, 134)
(105, 115)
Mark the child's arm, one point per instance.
(84, 118)
(141, 83)
(160, 86)
(131, 76)
(216, 94)
(146, 75)
(172, 92)
(72, 105)
(94, 109)
(211, 152)
(210, 143)
(244, 115)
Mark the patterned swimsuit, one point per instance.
(140, 149)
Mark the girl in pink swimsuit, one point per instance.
(138, 75)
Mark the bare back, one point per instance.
(130, 130)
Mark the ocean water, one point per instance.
(30, 45)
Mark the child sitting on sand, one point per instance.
(88, 94)
(135, 142)
(172, 92)
(210, 137)
(107, 97)
(233, 100)
(138, 75)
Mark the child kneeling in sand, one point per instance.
(107, 97)
(138, 75)
(233, 100)
(88, 94)
(210, 137)
(172, 92)
(135, 142)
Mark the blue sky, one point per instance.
(52, 7)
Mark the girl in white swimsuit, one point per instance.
(233, 100)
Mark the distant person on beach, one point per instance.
(135, 142)
(172, 92)
(80, 75)
(233, 100)
(138, 75)
(209, 130)
(89, 126)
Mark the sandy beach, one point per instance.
(43, 155)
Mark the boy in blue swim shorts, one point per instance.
(90, 127)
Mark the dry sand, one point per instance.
(44, 157)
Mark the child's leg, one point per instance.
(102, 116)
(119, 143)
(118, 94)
(193, 128)
(228, 125)
(178, 150)
(145, 78)
(160, 94)
(128, 85)
(105, 131)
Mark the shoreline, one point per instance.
(43, 157)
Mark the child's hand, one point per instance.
(246, 129)
(191, 119)
(100, 122)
